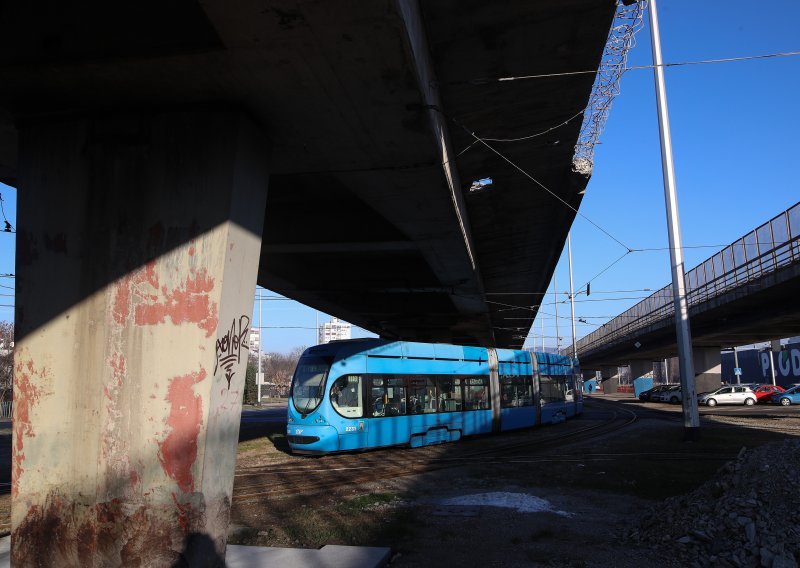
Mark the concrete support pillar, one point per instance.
(640, 368)
(610, 376)
(137, 253)
(707, 368)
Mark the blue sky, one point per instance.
(734, 128)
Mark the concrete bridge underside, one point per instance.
(170, 155)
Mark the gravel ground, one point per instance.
(748, 515)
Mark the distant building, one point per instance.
(255, 341)
(334, 330)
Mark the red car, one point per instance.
(764, 392)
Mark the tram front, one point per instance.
(307, 428)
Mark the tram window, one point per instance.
(552, 389)
(515, 390)
(450, 395)
(421, 395)
(395, 397)
(377, 396)
(569, 386)
(476, 393)
(346, 396)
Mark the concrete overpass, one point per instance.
(143, 136)
(746, 293)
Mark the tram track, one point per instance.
(275, 481)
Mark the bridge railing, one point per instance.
(771, 246)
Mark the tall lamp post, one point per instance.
(691, 417)
(572, 297)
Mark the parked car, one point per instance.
(764, 392)
(788, 397)
(644, 396)
(672, 395)
(728, 395)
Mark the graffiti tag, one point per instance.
(230, 346)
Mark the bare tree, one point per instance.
(6, 360)
(279, 368)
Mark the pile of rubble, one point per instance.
(747, 516)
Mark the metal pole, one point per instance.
(572, 297)
(542, 334)
(260, 374)
(666, 370)
(736, 365)
(691, 417)
(555, 295)
(316, 329)
(772, 364)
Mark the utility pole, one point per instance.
(772, 359)
(736, 365)
(260, 373)
(542, 320)
(691, 417)
(555, 295)
(572, 297)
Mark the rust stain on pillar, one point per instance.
(26, 396)
(178, 451)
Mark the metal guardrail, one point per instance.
(773, 245)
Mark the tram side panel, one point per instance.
(516, 389)
(555, 377)
(425, 401)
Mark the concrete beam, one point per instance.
(137, 255)
(610, 376)
(707, 368)
(640, 367)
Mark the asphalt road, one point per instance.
(275, 414)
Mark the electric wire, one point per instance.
(9, 228)
(633, 68)
(540, 184)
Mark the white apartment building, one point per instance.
(255, 340)
(334, 330)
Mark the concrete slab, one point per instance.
(330, 556)
(5, 551)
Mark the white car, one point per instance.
(728, 395)
(672, 396)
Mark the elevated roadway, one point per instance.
(169, 155)
(745, 293)
(369, 214)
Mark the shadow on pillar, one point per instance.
(137, 253)
(99, 197)
(200, 552)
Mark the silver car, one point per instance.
(672, 395)
(728, 395)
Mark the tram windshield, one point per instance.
(308, 383)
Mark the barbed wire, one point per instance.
(621, 39)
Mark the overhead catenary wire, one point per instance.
(486, 80)
(540, 184)
(9, 228)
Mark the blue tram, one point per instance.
(368, 393)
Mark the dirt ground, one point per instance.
(601, 485)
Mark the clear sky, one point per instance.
(734, 128)
(734, 132)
